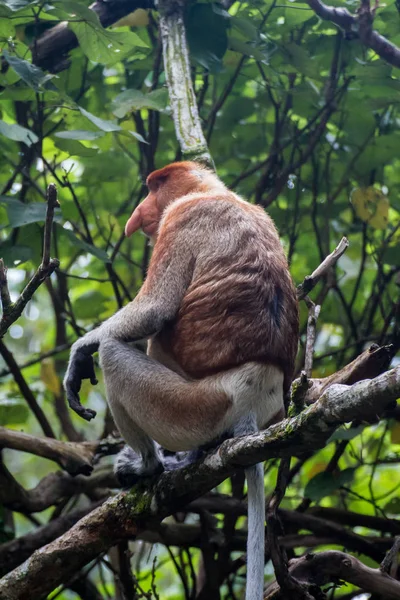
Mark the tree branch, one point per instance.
(361, 25)
(329, 566)
(180, 89)
(129, 513)
(13, 311)
(311, 280)
(75, 457)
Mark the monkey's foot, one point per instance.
(181, 459)
(130, 467)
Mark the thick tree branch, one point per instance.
(330, 566)
(361, 25)
(367, 365)
(74, 457)
(129, 513)
(180, 89)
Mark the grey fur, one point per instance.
(255, 519)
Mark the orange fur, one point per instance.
(241, 305)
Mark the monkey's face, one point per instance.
(146, 216)
(164, 188)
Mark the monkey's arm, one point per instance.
(158, 301)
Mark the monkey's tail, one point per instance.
(255, 532)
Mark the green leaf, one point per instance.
(7, 28)
(393, 506)
(89, 248)
(345, 434)
(18, 133)
(15, 5)
(76, 9)
(89, 305)
(13, 412)
(247, 49)
(20, 214)
(246, 27)
(31, 74)
(13, 255)
(131, 100)
(100, 123)
(74, 148)
(324, 484)
(104, 46)
(391, 256)
(206, 32)
(79, 134)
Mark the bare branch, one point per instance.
(74, 457)
(311, 280)
(325, 567)
(369, 364)
(47, 267)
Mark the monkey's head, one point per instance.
(165, 186)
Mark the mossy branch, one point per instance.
(181, 93)
(125, 515)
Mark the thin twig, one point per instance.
(46, 268)
(4, 291)
(390, 562)
(290, 587)
(52, 203)
(311, 280)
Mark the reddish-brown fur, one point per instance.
(241, 305)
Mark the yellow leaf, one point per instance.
(315, 469)
(49, 376)
(137, 18)
(395, 433)
(371, 206)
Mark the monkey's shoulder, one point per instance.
(221, 208)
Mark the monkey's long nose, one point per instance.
(134, 222)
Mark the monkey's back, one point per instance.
(241, 303)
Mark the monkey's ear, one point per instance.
(134, 222)
(155, 180)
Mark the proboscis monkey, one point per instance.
(220, 312)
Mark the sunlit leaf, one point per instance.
(74, 148)
(79, 134)
(371, 206)
(102, 124)
(49, 376)
(16, 132)
(13, 411)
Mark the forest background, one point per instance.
(299, 105)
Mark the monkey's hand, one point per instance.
(81, 366)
